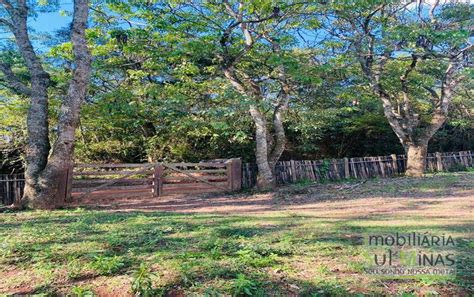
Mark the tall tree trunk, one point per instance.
(45, 177)
(265, 175)
(416, 159)
(417, 150)
(54, 176)
(268, 146)
(37, 148)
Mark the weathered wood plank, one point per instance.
(204, 170)
(109, 165)
(113, 188)
(191, 191)
(204, 164)
(192, 176)
(171, 180)
(113, 194)
(121, 172)
(221, 185)
(96, 181)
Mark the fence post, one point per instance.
(395, 163)
(354, 167)
(336, 170)
(439, 162)
(293, 170)
(382, 166)
(157, 181)
(464, 160)
(70, 178)
(7, 199)
(17, 190)
(228, 167)
(347, 173)
(62, 194)
(236, 174)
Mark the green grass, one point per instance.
(85, 252)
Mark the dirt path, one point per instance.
(345, 200)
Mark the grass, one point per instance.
(83, 252)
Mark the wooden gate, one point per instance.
(173, 178)
(131, 180)
(112, 180)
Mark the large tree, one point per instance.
(253, 46)
(413, 55)
(155, 94)
(46, 166)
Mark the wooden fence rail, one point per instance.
(363, 167)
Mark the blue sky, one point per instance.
(51, 21)
(46, 22)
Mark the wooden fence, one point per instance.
(364, 167)
(128, 180)
(123, 180)
(118, 180)
(200, 177)
(105, 181)
(11, 188)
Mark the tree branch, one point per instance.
(13, 80)
(408, 112)
(6, 23)
(366, 62)
(7, 5)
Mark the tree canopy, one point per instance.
(261, 80)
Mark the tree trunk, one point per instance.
(47, 179)
(264, 158)
(415, 143)
(279, 136)
(37, 147)
(416, 159)
(265, 178)
(50, 191)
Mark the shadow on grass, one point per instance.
(203, 248)
(433, 187)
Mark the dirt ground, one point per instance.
(355, 199)
(324, 222)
